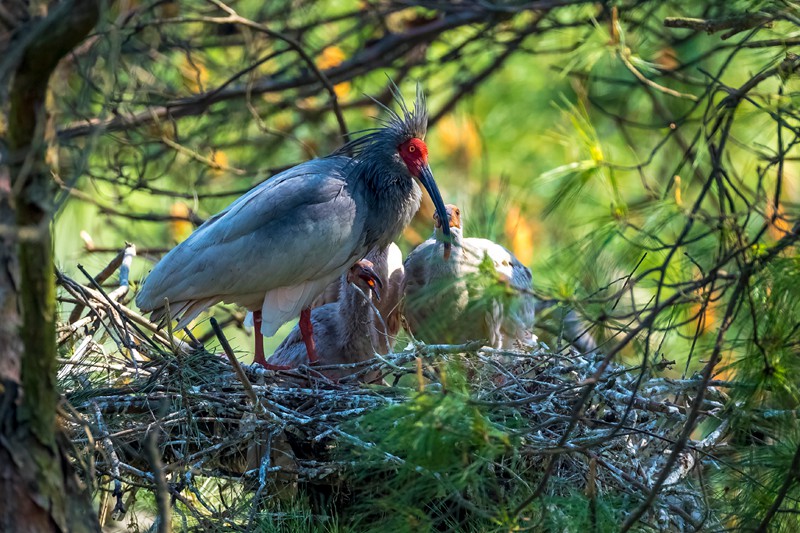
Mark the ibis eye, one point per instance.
(412, 148)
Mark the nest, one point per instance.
(219, 443)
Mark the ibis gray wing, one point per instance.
(309, 212)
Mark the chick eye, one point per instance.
(412, 148)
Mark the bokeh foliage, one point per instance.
(646, 172)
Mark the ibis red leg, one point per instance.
(259, 353)
(307, 331)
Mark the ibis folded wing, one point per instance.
(301, 226)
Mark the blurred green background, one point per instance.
(625, 161)
(561, 153)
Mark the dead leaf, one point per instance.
(459, 139)
(195, 74)
(667, 59)
(219, 159)
(330, 57)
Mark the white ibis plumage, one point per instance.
(465, 312)
(519, 308)
(276, 248)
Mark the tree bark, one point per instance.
(38, 488)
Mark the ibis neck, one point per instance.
(380, 264)
(455, 236)
(357, 315)
(392, 199)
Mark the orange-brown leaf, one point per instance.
(219, 160)
(780, 226)
(195, 74)
(667, 59)
(330, 57)
(459, 139)
(180, 228)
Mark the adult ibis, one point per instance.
(276, 248)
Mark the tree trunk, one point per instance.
(38, 488)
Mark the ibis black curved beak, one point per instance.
(426, 178)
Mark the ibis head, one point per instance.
(395, 152)
(363, 271)
(471, 312)
(453, 214)
(343, 328)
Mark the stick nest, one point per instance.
(146, 411)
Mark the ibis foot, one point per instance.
(307, 332)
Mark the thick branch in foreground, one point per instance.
(43, 494)
(10, 343)
(32, 191)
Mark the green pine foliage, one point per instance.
(442, 462)
(435, 462)
(764, 405)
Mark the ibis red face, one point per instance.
(415, 155)
(455, 217)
